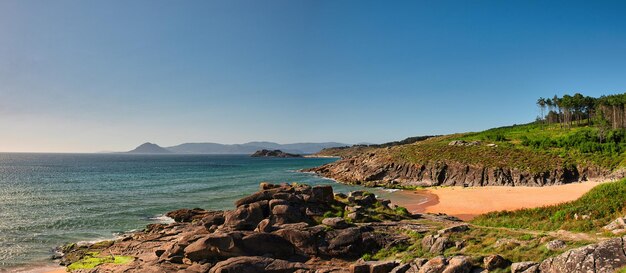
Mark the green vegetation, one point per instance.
(479, 242)
(93, 259)
(602, 204)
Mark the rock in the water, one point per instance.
(492, 262)
(273, 153)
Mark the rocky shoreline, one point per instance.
(297, 228)
(378, 170)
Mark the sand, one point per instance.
(467, 203)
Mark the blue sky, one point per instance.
(86, 76)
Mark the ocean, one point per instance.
(47, 200)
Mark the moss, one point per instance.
(93, 259)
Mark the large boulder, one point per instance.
(187, 215)
(458, 264)
(524, 267)
(436, 244)
(255, 264)
(267, 244)
(246, 217)
(434, 265)
(617, 226)
(604, 257)
(322, 194)
(214, 245)
(492, 262)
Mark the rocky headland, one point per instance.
(297, 228)
(439, 161)
(273, 153)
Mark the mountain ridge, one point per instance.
(244, 148)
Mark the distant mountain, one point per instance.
(150, 148)
(246, 148)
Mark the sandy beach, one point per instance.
(467, 203)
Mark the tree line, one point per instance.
(574, 109)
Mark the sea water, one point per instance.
(47, 200)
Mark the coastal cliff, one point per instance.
(521, 155)
(375, 170)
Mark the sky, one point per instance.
(89, 76)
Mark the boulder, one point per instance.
(617, 226)
(322, 194)
(213, 218)
(436, 243)
(186, 215)
(255, 264)
(458, 264)
(305, 241)
(267, 244)
(285, 214)
(359, 268)
(213, 245)
(603, 257)
(525, 267)
(454, 229)
(246, 217)
(335, 222)
(382, 267)
(401, 268)
(434, 265)
(492, 262)
(555, 245)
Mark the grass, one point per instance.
(93, 259)
(534, 147)
(602, 204)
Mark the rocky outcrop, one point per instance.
(273, 153)
(374, 169)
(281, 228)
(604, 257)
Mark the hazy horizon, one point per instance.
(109, 75)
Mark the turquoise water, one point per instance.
(50, 199)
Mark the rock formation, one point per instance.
(273, 153)
(374, 169)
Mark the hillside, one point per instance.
(534, 154)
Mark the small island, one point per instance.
(273, 153)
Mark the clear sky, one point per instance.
(87, 76)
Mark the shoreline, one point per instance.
(467, 203)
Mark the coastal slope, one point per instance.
(503, 156)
